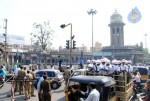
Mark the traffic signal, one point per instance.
(67, 44)
(63, 26)
(74, 44)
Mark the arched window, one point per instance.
(113, 30)
(117, 30)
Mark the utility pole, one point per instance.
(5, 35)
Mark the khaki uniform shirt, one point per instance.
(28, 79)
(67, 73)
(45, 86)
(33, 75)
(21, 74)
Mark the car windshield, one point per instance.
(76, 73)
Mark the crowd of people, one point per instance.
(91, 93)
(105, 67)
(24, 81)
(25, 78)
(24, 84)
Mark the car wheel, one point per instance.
(54, 85)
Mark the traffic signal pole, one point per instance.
(71, 46)
(63, 26)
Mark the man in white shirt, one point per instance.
(4, 67)
(17, 69)
(137, 79)
(129, 70)
(124, 67)
(116, 67)
(94, 94)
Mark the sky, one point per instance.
(21, 14)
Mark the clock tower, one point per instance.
(116, 30)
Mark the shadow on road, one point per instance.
(4, 93)
(20, 98)
(58, 91)
(61, 99)
(5, 99)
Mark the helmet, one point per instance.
(107, 61)
(123, 60)
(88, 61)
(114, 61)
(103, 60)
(98, 61)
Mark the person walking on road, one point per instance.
(67, 74)
(39, 84)
(32, 85)
(45, 89)
(27, 85)
(25, 69)
(20, 77)
(16, 74)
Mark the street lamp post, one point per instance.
(145, 41)
(92, 12)
(146, 47)
(63, 26)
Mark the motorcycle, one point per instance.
(2, 77)
(139, 92)
(2, 80)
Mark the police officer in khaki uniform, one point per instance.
(67, 74)
(27, 85)
(32, 86)
(20, 77)
(45, 89)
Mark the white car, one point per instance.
(52, 74)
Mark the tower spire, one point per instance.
(115, 10)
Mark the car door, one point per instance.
(51, 74)
(39, 74)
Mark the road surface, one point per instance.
(57, 95)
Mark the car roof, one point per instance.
(139, 66)
(99, 80)
(81, 69)
(48, 70)
(144, 67)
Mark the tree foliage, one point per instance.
(42, 36)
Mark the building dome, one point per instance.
(116, 17)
